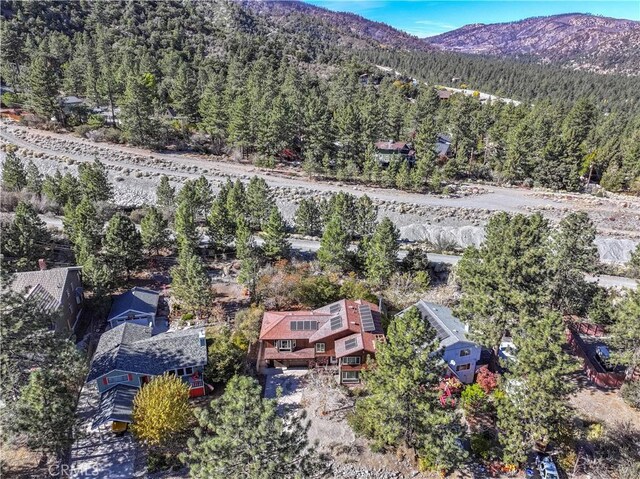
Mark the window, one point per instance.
(180, 372)
(350, 376)
(350, 343)
(320, 347)
(351, 360)
(285, 345)
(188, 371)
(122, 378)
(463, 367)
(465, 352)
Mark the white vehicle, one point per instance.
(547, 468)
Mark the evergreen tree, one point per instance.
(242, 435)
(574, 253)
(401, 406)
(382, 252)
(534, 407)
(225, 356)
(83, 227)
(244, 239)
(33, 179)
(276, 245)
(221, 226)
(137, 109)
(185, 226)
(185, 94)
(203, 195)
(154, 231)
(239, 127)
(165, 193)
(625, 332)
(260, 202)
(307, 219)
(191, 286)
(214, 115)
(14, 177)
(43, 87)
(123, 245)
(504, 278)
(26, 237)
(366, 215)
(334, 245)
(237, 201)
(94, 181)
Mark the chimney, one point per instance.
(42, 264)
(202, 338)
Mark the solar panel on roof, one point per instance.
(336, 322)
(304, 325)
(366, 317)
(350, 343)
(334, 308)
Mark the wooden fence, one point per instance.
(595, 375)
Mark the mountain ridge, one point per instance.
(577, 40)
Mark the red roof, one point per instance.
(340, 320)
(391, 145)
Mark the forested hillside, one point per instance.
(278, 82)
(575, 40)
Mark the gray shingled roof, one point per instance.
(131, 347)
(137, 299)
(449, 329)
(116, 405)
(46, 287)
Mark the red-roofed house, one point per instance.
(340, 335)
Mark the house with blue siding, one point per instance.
(138, 306)
(129, 356)
(460, 353)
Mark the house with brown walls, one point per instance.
(340, 336)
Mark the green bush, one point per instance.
(482, 446)
(161, 461)
(630, 392)
(473, 398)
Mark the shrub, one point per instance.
(473, 398)
(487, 380)
(482, 445)
(630, 392)
(161, 461)
(225, 357)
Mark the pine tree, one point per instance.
(366, 215)
(43, 87)
(33, 179)
(203, 195)
(165, 193)
(241, 434)
(307, 219)
(260, 202)
(161, 409)
(381, 259)
(185, 95)
(83, 227)
(574, 253)
(191, 286)
(239, 127)
(26, 237)
(214, 115)
(504, 278)
(137, 109)
(334, 245)
(94, 181)
(401, 407)
(185, 226)
(625, 332)
(221, 226)
(276, 245)
(14, 177)
(154, 230)
(237, 201)
(122, 245)
(534, 406)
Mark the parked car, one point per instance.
(547, 468)
(603, 356)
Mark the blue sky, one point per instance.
(425, 18)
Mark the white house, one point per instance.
(460, 354)
(138, 306)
